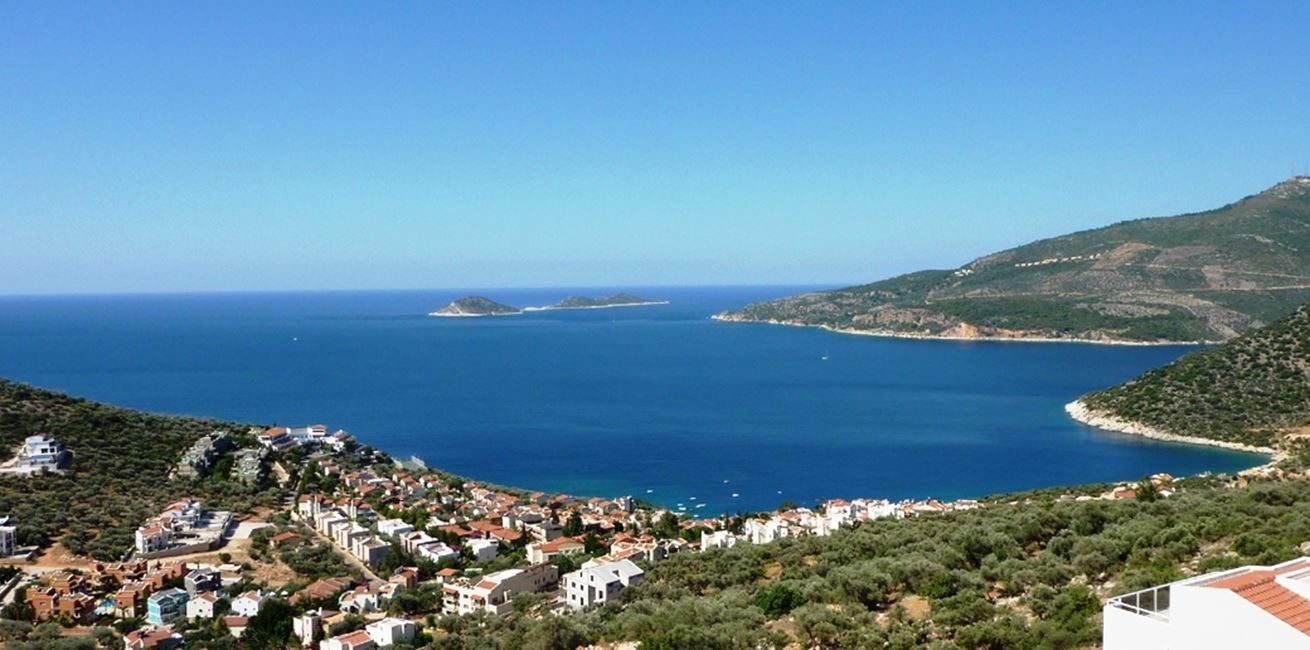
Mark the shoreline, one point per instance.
(937, 337)
(437, 314)
(1081, 413)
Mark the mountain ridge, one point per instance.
(1198, 277)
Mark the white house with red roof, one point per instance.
(357, 640)
(248, 604)
(1250, 607)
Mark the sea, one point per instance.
(658, 402)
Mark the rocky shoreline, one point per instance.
(1018, 338)
(1080, 412)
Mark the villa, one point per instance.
(599, 584)
(39, 453)
(357, 640)
(165, 607)
(542, 552)
(494, 591)
(248, 604)
(201, 606)
(184, 527)
(390, 631)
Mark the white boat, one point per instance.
(735, 495)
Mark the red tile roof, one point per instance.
(1261, 590)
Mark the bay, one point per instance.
(658, 402)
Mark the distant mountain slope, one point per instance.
(1249, 390)
(475, 306)
(1200, 277)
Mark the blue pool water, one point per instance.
(612, 401)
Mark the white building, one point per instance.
(151, 539)
(8, 538)
(394, 528)
(436, 551)
(366, 599)
(541, 552)
(247, 604)
(313, 433)
(42, 450)
(412, 541)
(357, 640)
(308, 627)
(370, 550)
(717, 539)
(389, 631)
(1250, 607)
(202, 606)
(493, 592)
(483, 549)
(597, 585)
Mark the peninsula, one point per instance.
(1251, 393)
(475, 306)
(585, 302)
(1204, 277)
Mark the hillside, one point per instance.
(119, 474)
(1250, 390)
(1200, 277)
(476, 306)
(1028, 572)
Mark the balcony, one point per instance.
(1152, 603)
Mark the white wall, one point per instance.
(1125, 630)
(1205, 617)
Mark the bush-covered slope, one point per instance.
(1023, 576)
(119, 474)
(1246, 390)
(1206, 276)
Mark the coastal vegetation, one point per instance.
(1029, 571)
(1253, 390)
(1199, 277)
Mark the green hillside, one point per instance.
(1248, 390)
(1207, 276)
(119, 473)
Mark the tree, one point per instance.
(270, 629)
(1146, 490)
(573, 527)
(778, 600)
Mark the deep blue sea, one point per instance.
(610, 401)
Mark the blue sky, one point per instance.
(253, 146)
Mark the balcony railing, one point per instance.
(1153, 602)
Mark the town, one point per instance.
(367, 552)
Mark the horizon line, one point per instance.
(184, 292)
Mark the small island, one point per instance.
(475, 306)
(587, 302)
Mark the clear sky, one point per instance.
(248, 146)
